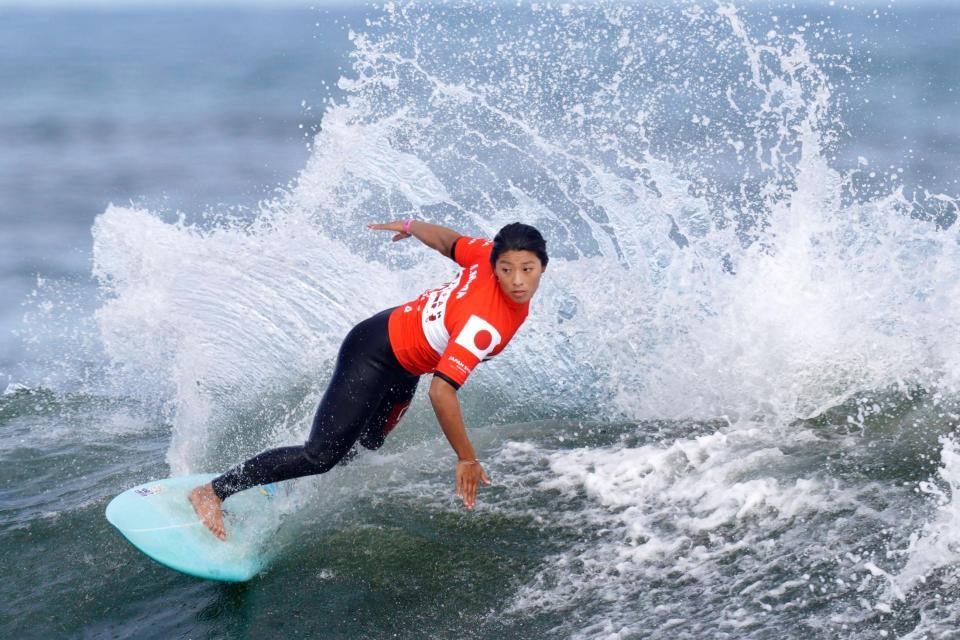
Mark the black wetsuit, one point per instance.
(367, 396)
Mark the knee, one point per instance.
(324, 456)
(376, 434)
(373, 440)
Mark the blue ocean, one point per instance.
(734, 410)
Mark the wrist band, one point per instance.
(406, 225)
(474, 461)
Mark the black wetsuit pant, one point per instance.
(367, 396)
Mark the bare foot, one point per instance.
(207, 505)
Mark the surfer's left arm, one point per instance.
(434, 236)
(469, 473)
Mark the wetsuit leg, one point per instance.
(366, 370)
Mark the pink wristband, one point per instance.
(406, 225)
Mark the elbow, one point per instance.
(440, 390)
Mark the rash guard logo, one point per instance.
(479, 337)
(470, 278)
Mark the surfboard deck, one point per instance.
(158, 519)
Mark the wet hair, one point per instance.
(517, 236)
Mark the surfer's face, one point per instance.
(518, 273)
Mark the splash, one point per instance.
(707, 259)
(220, 318)
(698, 511)
(937, 545)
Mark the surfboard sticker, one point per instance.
(158, 519)
(143, 492)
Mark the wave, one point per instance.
(712, 269)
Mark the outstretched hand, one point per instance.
(469, 476)
(391, 226)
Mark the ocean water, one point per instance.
(733, 410)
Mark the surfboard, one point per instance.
(158, 519)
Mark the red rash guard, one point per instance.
(450, 330)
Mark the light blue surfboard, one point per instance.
(158, 519)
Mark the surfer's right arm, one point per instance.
(434, 236)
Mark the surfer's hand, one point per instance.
(391, 226)
(469, 475)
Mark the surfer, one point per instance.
(446, 331)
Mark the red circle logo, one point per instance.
(482, 339)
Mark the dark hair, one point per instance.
(517, 236)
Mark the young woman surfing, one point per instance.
(446, 332)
